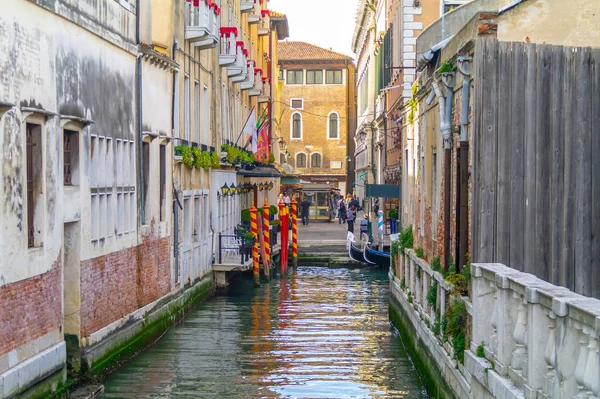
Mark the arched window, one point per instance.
(282, 158)
(296, 126)
(301, 160)
(315, 160)
(333, 127)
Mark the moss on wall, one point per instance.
(425, 364)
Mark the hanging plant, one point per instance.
(214, 160)
(196, 154)
(205, 160)
(186, 155)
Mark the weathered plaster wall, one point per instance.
(572, 23)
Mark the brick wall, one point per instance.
(119, 283)
(30, 309)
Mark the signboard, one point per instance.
(383, 190)
(323, 178)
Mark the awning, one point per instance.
(383, 190)
(362, 176)
(260, 171)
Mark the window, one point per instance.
(295, 77)
(186, 108)
(301, 160)
(297, 126)
(282, 159)
(196, 137)
(297, 103)
(146, 166)
(314, 77)
(34, 162)
(334, 77)
(280, 74)
(70, 158)
(315, 160)
(163, 180)
(333, 126)
(205, 127)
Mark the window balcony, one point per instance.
(249, 82)
(239, 70)
(228, 54)
(258, 83)
(265, 96)
(263, 28)
(202, 23)
(247, 6)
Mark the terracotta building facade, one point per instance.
(317, 112)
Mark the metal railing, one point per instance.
(233, 243)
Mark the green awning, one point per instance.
(362, 176)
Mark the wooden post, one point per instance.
(266, 234)
(294, 233)
(255, 270)
(282, 231)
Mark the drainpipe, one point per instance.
(464, 66)
(445, 112)
(139, 105)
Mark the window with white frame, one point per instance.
(186, 108)
(296, 122)
(295, 77)
(314, 77)
(333, 77)
(301, 160)
(315, 160)
(333, 126)
(297, 103)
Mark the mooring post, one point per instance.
(381, 229)
(267, 237)
(255, 270)
(282, 231)
(294, 233)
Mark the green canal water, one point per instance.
(320, 333)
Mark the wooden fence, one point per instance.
(536, 161)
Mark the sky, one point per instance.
(325, 23)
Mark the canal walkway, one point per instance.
(319, 333)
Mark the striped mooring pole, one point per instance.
(282, 228)
(253, 228)
(380, 225)
(294, 233)
(267, 236)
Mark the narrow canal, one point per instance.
(322, 333)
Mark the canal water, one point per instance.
(320, 333)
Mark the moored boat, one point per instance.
(374, 256)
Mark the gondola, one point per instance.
(355, 252)
(376, 257)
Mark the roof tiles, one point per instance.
(301, 51)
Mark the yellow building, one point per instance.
(317, 112)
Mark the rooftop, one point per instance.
(301, 51)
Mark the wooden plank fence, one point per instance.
(536, 161)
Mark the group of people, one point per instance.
(347, 208)
(304, 206)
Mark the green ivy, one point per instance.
(413, 103)
(214, 160)
(196, 155)
(432, 295)
(410, 297)
(480, 351)
(406, 238)
(420, 253)
(435, 264)
(456, 328)
(446, 67)
(246, 215)
(394, 253)
(186, 155)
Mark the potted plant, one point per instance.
(246, 218)
(273, 210)
(393, 214)
(275, 224)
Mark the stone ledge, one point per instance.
(33, 370)
(499, 386)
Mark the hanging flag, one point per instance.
(250, 128)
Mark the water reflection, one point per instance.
(320, 333)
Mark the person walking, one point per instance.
(341, 211)
(350, 219)
(304, 208)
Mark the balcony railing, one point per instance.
(248, 83)
(247, 5)
(258, 83)
(202, 23)
(263, 28)
(243, 75)
(228, 55)
(240, 66)
(266, 91)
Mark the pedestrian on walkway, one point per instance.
(341, 211)
(350, 219)
(304, 208)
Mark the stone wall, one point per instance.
(119, 283)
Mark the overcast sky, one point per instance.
(325, 23)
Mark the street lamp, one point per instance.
(261, 186)
(271, 185)
(224, 190)
(232, 189)
(362, 136)
(239, 189)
